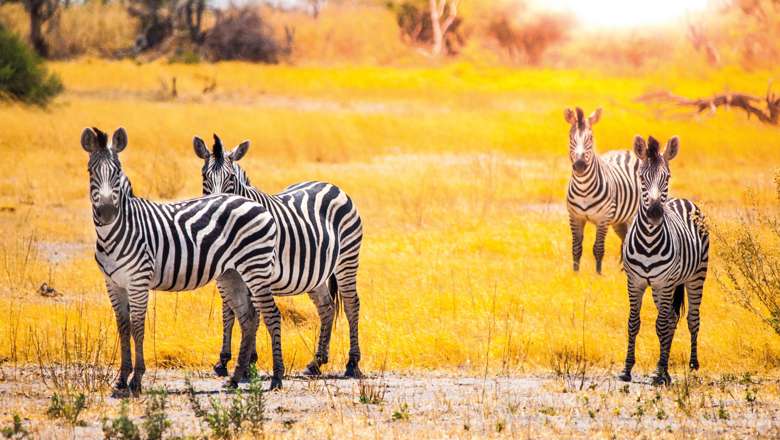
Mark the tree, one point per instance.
(39, 11)
(443, 15)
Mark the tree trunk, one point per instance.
(36, 31)
(438, 35)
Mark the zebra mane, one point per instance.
(580, 119)
(653, 148)
(216, 151)
(102, 138)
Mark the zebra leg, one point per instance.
(577, 226)
(138, 302)
(264, 304)
(236, 297)
(327, 311)
(664, 328)
(228, 318)
(119, 303)
(598, 246)
(348, 289)
(621, 229)
(636, 290)
(695, 289)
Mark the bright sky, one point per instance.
(625, 13)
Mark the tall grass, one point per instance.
(458, 172)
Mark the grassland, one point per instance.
(459, 174)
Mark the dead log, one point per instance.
(749, 103)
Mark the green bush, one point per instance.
(23, 76)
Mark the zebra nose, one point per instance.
(656, 211)
(579, 165)
(106, 211)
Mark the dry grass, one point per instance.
(458, 172)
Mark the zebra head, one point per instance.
(221, 173)
(581, 150)
(654, 175)
(107, 182)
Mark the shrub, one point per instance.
(16, 430)
(155, 418)
(244, 412)
(67, 406)
(122, 427)
(23, 76)
(242, 34)
(751, 263)
(529, 37)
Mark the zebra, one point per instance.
(666, 249)
(320, 234)
(143, 245)
(603, 190)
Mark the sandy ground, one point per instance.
(433, 405)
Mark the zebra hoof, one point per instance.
(312, 370)
(353, 371)
(694, 365)
(220, 369)
(624, 376)
(276, 384)
(120, 393)
(230, 384)
(661, 378)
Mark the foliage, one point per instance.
(526, 35)
(751, 263)
(243, 413)
(156, 420)
(122, 427)
(242, 34)
(414, 21)
(23, 75)
(16, 430)
(67, 406)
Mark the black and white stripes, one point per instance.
(320, 233)
(666, 249)
(603, 190)
(142, 245)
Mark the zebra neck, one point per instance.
(650, 232)
(253, 193)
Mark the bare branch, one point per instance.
(748, 103)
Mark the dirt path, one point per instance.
(439, 406)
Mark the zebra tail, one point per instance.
(335, 295)
(678, 302)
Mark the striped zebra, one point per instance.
(603, 190)
(666, 249)
(320, 233)
(142, 246)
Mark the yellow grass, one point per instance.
(459, 174)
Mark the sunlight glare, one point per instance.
(625, 14)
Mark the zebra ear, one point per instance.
(640, 147)
(672, 148)
(200, 148)
(119, 140)
(569, 116)
(88, 140)
(239, 151)
(594, 117)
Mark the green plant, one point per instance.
(723, 413)
(402, 413)
(371, 394)
(67, 406)
(122, 427)
(245, 410)
(23, 76)
(155, 418)
(16, 430)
